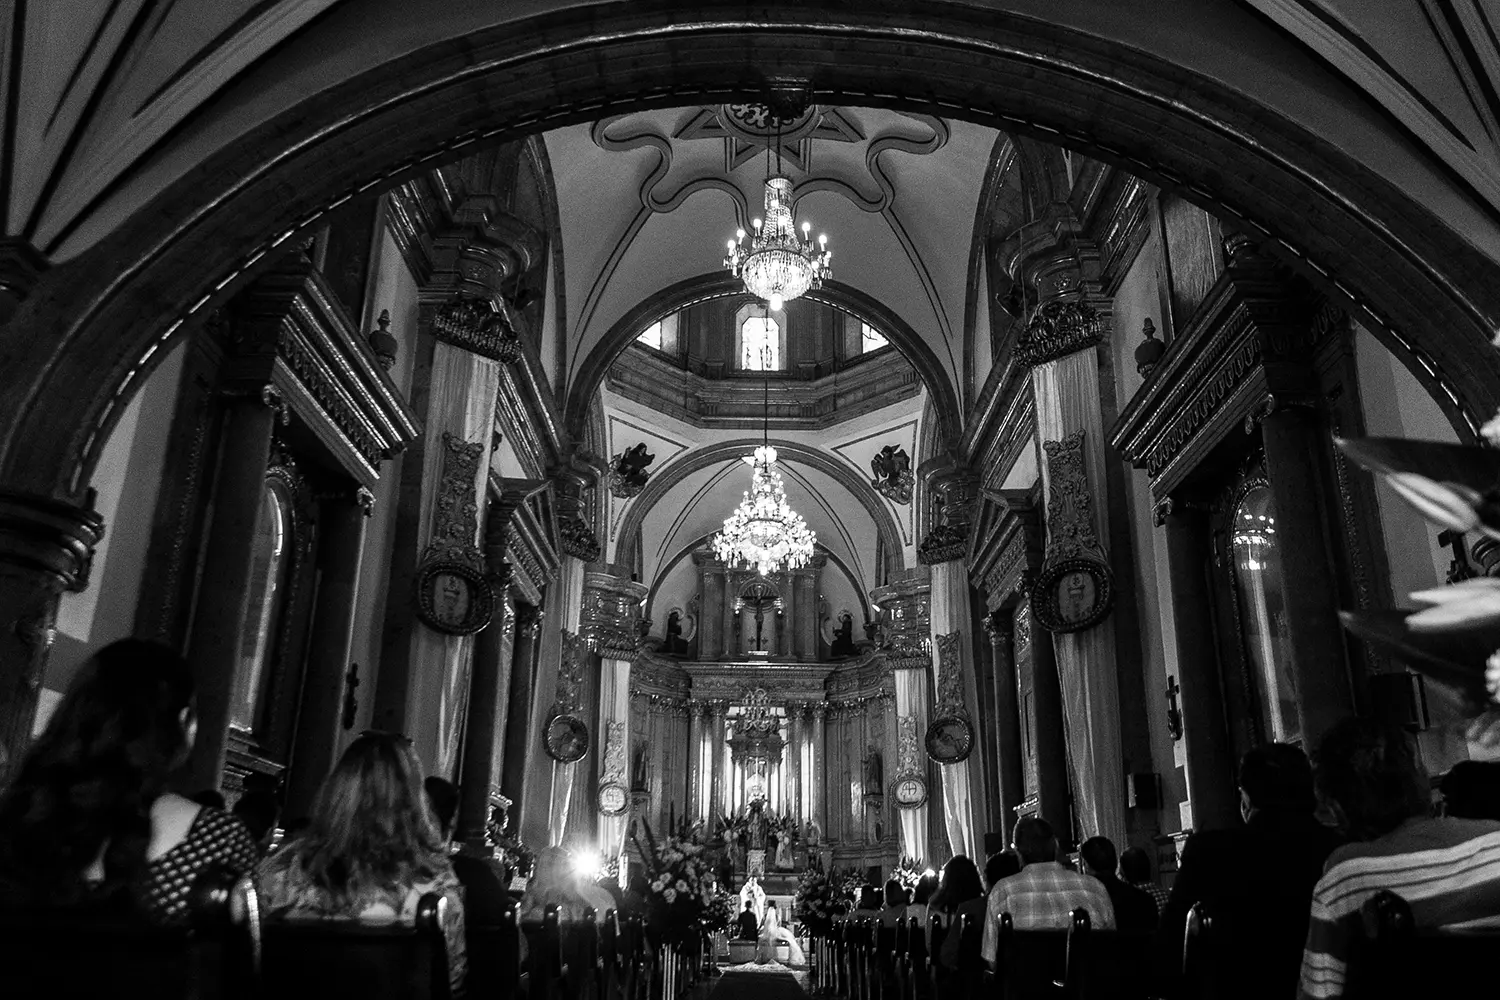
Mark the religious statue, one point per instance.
(675, 645)
(640, 772)
(627, 472)
(874, 772)
(893, 479)
(784, 852)
(758, 827)
(843, 637)
(814, 833)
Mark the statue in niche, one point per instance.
(759, 828)
(874, 773)
(814, 833)
(675, 644)
(784, 852)
(640, 771)
(627, 472)
(843, 637)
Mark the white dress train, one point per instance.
(771, 932)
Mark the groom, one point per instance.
(749, 927)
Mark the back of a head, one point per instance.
(1034, 840)
(371, 821)
(1135, 865)
(442, 796)
(1001, 864)
(895, 893)
(124, 724)
(926, 886)
(1098, 854)
(1471, 790)
(960, 883)
(869, 897)
(258, 811)
(1278, 777)
(1370, 770)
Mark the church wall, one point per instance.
(393, 288)
(1395, 405)
(127, 480)
(983, 349)
(551, 351)
(1137, 300)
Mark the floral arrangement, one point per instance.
(907, 873)
(846, 883)
(721, 911)
(1455, 638)
(680, 882)
(819, 900)
(515, 855)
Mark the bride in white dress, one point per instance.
(772, 932)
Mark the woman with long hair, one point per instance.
(372, 849)
(87, 819)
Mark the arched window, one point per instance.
(651, 336)
(269, 581)
(871, 339)
(760, 344)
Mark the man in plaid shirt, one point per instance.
(1043, 896)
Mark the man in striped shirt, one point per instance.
(1447, 870)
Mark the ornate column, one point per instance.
(711, 607)
(223, 599)
(518, 703)
(1053, 780)
(794, 762)
(998, 626)
(820, 765)
(694, 808)
(45, 547)
(731, 591)
(484, 732)
(719, 793)
(807, 597)
(342, 522)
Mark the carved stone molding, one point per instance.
(1058, 329)
(611, 615)
(1274, 402)
(951, 496)
(1070, 509)
(615, 740)
(456, 514)
(950, 692)
(570, 673)
(474, 324)
(908, 752)
(50, 538)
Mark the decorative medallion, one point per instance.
(1075, 589)
(452, 594)
(566, 739)
(910, 791)
(1072, 595)
(614, 799)
(475, 325)
(893, 479)
(453, 598)
(950, 739)
(627, 472)
(1058, 329)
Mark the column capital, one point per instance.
(269, 396)
(51, 538)
(529, 620)
(998, 625)
(1281, 401)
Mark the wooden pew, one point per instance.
(1394, 958)
(1043, 965)
(494, 956)
(317, 959)
(75, 957)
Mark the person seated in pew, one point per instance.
(1447, 869)
(747, 928)
(1471, 790)
(869, 904)
(87, 821)
(960, 893)
(372, 850)
(1257, 877)
(1044, 894)
(557, 881)
(1135, 869)
(485, 898)
(1135, 911)
(894, 911)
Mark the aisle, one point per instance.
(760, 982)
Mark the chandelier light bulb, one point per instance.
(823, 240)
(739, 234)
(756, 224)
(731, 245)
(806, 229)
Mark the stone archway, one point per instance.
(94, 326)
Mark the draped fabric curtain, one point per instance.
(1067, 401)
(911, 703)
(948, 612)
(570, 591)
(614, 706)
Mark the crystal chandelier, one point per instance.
(764, 531)
(779, 265)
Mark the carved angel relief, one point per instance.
(627, 472)
(893, 479)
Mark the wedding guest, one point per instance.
(958, 884)
(372, 850)
(894, 910)
(1447, 869)
(869, 904)
(1043, 895)
(1258, 876)
(1471, 790)
(87, 820)
(485, 898)
(921, 898)
(1135, 911)
(1135, 869)
(1001, 864)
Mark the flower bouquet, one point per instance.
(679, 883)
(721, 911)
(818, 901)
(907, 873)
